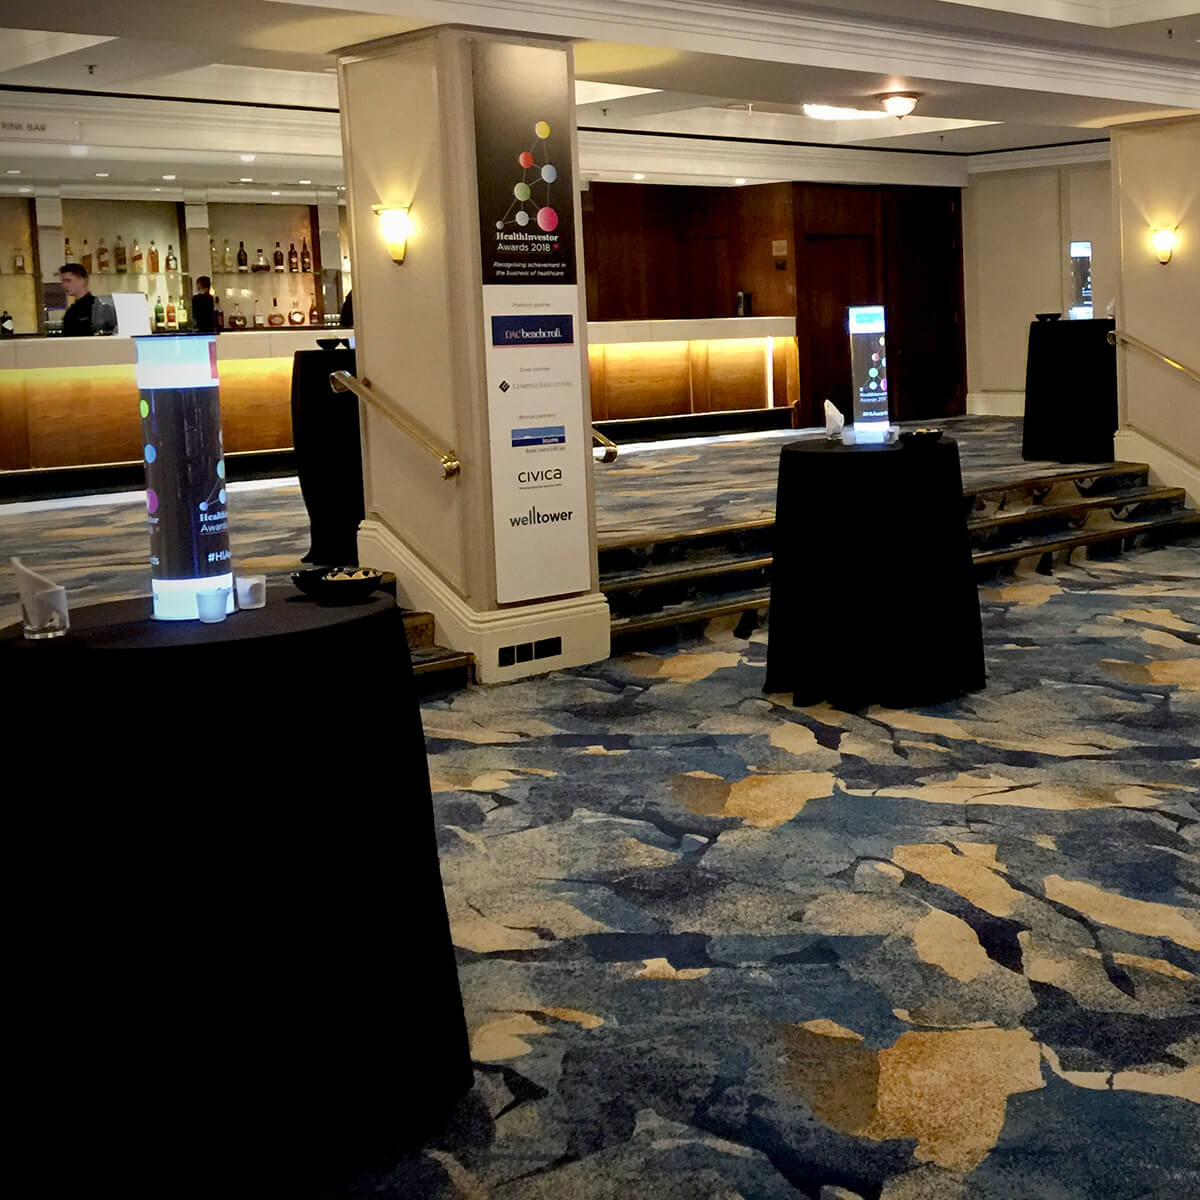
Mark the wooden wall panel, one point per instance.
(737, 375)
(14, 421)
(927, 369)
(760, 216)
(631, 249)
(256, 408)
(647, 380)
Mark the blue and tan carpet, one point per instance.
(712, 945)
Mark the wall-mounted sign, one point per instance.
(540, 442)
(29, 127)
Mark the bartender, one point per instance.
(204, 307)
(87, 314)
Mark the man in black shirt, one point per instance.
(86, 315)
(204, 307)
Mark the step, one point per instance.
(1168, 522)
(434, 660)
(681, 614)
(1038, 512)
(1106, 472)
(697, 568)
(419, 628)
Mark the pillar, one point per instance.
(478, 336)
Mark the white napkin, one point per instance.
(43, 601)
(834, 421)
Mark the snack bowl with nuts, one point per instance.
(338, 585)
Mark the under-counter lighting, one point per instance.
(1164, 242)
(395, 223)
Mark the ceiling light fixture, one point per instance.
(899, 104)
(24, 189)
(274, 193)
(101, 174)
(305, 181)
(79, 151)
(739, 182)
(12, 171)
(168, 178)
(832, 112)
(245, 179)
(247, 157)
(639, 175)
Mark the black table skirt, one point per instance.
(1070, 392)
(325, 434)
(231, 960)
(873, 598)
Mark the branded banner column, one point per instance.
(471, 329)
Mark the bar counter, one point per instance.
(67, 402)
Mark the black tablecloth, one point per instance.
(230, 962)
(873, 598)
(328, 455)
(1070, 392)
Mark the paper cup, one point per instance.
(212, 604)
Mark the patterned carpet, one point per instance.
(712, 945)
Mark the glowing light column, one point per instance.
(180, 407)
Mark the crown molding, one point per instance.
(1043, 156)
(666, 159)
(777, 33)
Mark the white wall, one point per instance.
(1157, 182)
(1017, 226)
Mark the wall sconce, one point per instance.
(899, 104)
(395, 223)
(1164, 242)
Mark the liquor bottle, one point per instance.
(314, 315)
(152, 258)
(160, 314)
(305, 257)
(67, 250)
(102, 259)
(120, 257)
(295, 316)
(260, 263)
(275, 318)
(227, 258)
(172, 321)
(172, 261)
(237, 319)
(139, 261)
(278, 258)
(85, 259)
(259, 322)
(18, 261)
(181, 314)
(242, 261)
(293, 259)
(7, 328)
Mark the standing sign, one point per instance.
(539, 441)
(868, 370)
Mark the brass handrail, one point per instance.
(1119, 335)
(610, 447)
(343, 381)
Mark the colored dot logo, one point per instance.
(536, 172)
(221, 495)
(151, 501)
(149, 453)
(143, 409)
(220, 468)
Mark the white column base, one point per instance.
(581, 622)
(1166, 467)
(995, 404)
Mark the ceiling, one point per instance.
(992, 77)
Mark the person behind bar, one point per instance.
(204, 307)
(87, 314)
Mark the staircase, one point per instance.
(651, 583)
(435, 667)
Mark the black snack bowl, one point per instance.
(330, 343)
(920, 437)
(322, 584)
